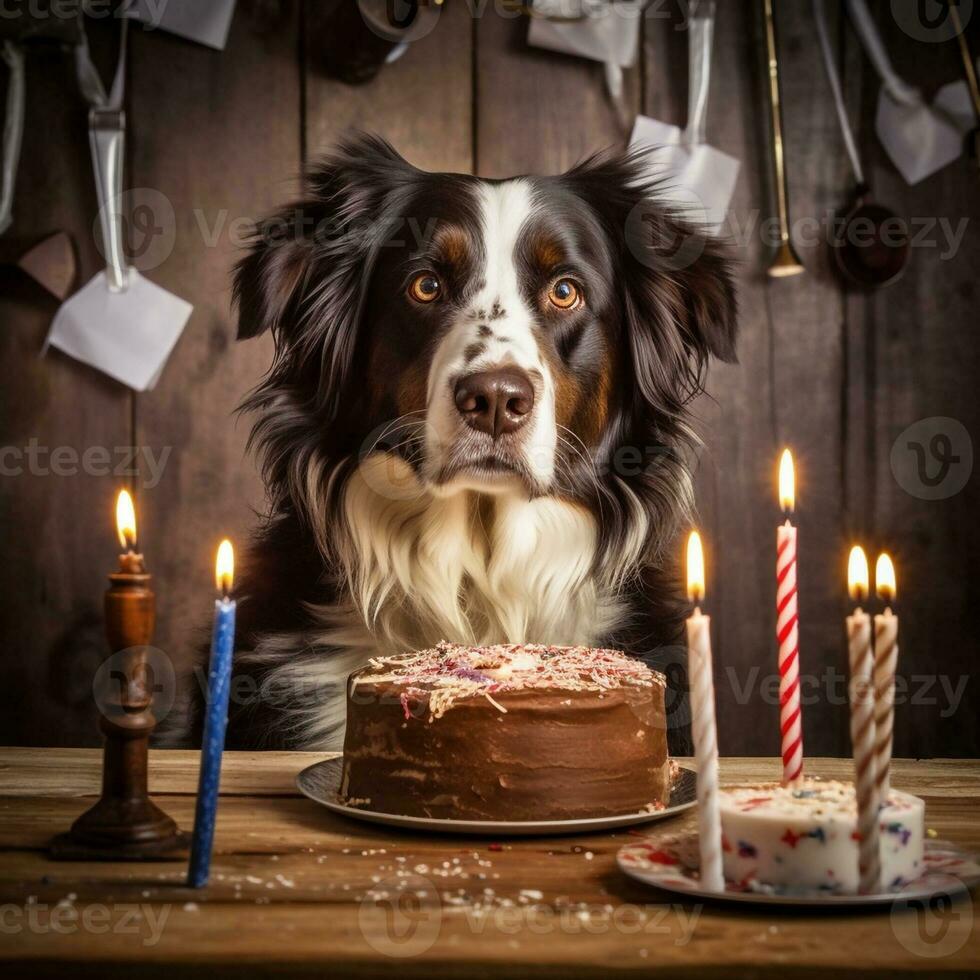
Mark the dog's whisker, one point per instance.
(403, 422)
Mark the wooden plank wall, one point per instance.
(835, 375)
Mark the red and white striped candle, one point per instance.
(861, 691)
(886, 659)
(703, 723)
(787, 630)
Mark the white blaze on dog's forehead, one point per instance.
(496, 328)
(497, 320)
(504, 212)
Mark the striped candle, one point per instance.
(885, 661)
(703, 724)
(788, 631)
(861, 691)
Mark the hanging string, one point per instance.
(820, 15)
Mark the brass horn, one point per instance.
(973, 137)
(785, 262)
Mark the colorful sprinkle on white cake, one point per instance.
(805, 836)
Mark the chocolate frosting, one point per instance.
(541, 752)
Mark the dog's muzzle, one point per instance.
(496, 402)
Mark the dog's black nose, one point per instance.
(495, 402)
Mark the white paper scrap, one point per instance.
(128, 335)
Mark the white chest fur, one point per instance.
(420, 568)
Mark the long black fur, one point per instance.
(672, 305)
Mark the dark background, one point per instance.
(836, 376)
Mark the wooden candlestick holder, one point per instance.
(125, 824)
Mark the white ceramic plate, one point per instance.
(321, 782)
(666, 860)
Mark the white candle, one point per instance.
(788, 630)
(861, 692)
(886, 658)
(703, 723)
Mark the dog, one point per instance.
(475, 426)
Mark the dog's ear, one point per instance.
(676, 287)
(268, 280)
(308, 267)
(680, 268)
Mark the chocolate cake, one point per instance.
(508, 732)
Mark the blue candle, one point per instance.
(215, 720)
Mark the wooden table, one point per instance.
(296, 890)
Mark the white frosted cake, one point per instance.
(805, 837)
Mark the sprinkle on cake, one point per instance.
(447, 673)
(804, 836)
(816, 797)
(507, 732)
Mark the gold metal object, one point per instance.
(971, 80)
(785, 262)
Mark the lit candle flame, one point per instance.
(885, 584)
(224, 567)
(126, 520)
(695, 568)
(857, 574)
(787, 482)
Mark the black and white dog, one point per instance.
(474, 425)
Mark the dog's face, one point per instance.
(488, 334)
(497, 336)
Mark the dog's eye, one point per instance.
(565, 294)
(425, 288)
